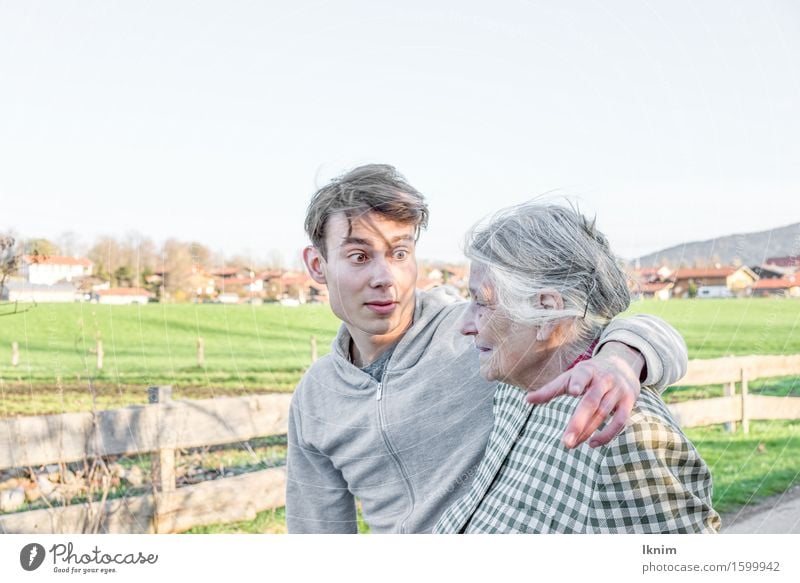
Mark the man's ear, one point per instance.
(315, 263)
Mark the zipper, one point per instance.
(393, 453)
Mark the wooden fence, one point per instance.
(157, 429)
(164, 425)
(735, 408)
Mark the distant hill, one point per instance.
(747, 249)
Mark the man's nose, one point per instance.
(382, 275)
(468, 322)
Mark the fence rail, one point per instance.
(165, 425)
(742, 407)
(729, 369)
(140, 429)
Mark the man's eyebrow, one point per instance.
(368, 243)
(356, 241)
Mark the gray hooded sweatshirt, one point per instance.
(408, 447)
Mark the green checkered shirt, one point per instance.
(649, 479)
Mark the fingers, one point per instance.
(608, 404)
(594, 408)
(617, 424)
(581, 378)
(604, 392)
(558, 386)
(572, 382)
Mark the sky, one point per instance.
(216, 121)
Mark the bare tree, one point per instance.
(69, 243)
(10, 260)
(105, 254)
(176, 259)
(41, 246)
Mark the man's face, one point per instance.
(371, 273)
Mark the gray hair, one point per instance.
(533, 247)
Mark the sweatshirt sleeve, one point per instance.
(662, 347)
(317, 497)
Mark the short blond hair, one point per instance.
(376, 188)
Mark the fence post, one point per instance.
(313, 349)
(201, 352)
(14, 354)
(162, 461)
(745, 418)
(99, 350)
(729, 390)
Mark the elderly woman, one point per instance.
(544, 284)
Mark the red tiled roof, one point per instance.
(776, 283)
(291, 278)
(123, 291)
(270, 274)
(57, 260)
(223, 271)
(651, 288)
(703, 272)
(788, 261)
(237, 281)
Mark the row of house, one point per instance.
(69, 279)
(778, 276)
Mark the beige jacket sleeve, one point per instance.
(662, 347)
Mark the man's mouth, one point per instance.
(382, 306)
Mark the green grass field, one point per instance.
(266, 348)
(252, 349)
(714, 328)
(247, 349)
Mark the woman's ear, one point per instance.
(550, 300)
(315, 264)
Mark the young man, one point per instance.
(397, 415)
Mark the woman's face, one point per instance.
(508, 351)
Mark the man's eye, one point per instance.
(357, 257)
(401, 254)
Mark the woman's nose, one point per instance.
(468, 323)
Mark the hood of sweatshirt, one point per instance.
(429, 309)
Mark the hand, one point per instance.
(609, 383)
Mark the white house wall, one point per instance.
(48, 274)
